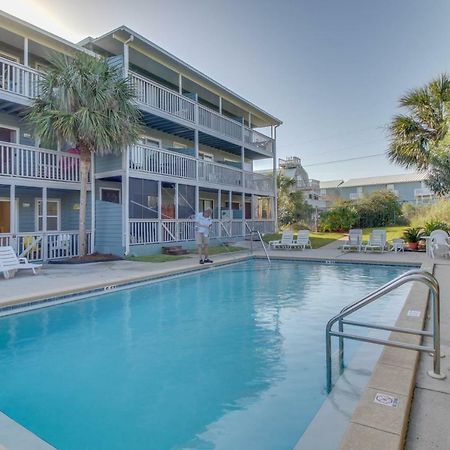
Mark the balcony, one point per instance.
(31, 162)
(179, 107)
(18, 79)
(146, 159)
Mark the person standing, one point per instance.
(203, 224)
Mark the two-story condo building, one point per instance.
(197, 148)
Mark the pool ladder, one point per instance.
(419, 275)
(258, 233)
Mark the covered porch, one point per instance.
(162, 212)
(41, 223)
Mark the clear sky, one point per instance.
(331, 70)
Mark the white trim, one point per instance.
(9, 56)
(106, 188)
(202, 154)
(36, 211)
(16, 219)
(16, 129)
(147, 136)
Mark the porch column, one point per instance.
(177, 224)
(220, 105)
(125, 201)
(242, 166)
(243, 212)
(249, 119)
(197, 200)
(126, 56)
(196, 148)
(159, 211)
(219, 210)
(180, 84)
(25, 51)
(230, 212)
(92, 246)
(275, 187)
(253, 207)
(44, 224)
(12, 209)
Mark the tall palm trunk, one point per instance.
(85, 165)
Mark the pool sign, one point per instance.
(386, 400)
(413, 313)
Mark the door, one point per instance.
(5, 215)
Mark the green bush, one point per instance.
(433, 225)
(379, 209)
(413, 235)
(340, 217)
(436, 212)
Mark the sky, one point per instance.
(332, 71)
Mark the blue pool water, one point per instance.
(231, 358)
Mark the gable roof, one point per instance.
(330, 184)
(387, 179)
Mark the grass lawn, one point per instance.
(157, 258)
(317, 239)
(216, 249)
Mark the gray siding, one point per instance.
(108, 233)
(12, 120)
(108, 163)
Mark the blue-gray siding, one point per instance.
(405, 190)
(108, 233)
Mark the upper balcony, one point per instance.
(179, 107)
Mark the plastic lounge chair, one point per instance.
(354, 240)
(303, 240)
(398, 245)
(10, 263)
(439, 243)
(286, 241)
(377, 241)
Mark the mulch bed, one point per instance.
(95, 257)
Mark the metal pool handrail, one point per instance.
(413, 275)
(252, 231)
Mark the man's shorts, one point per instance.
(201, 239)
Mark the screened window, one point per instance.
(143, 199)
(186, 201)
(53, 215)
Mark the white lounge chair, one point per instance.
(439, 243)
(286, 241)
(377, 241)
(10, 263)
(354, 240)
(398, 245)
(303, 240)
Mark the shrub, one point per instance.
(413, 235)
(379, 209)
(340, 217)
(439, 211)
(433, 225)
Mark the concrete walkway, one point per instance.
(429, 426)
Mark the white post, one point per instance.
(159, 211)
(249, 119)
(275, 187)
(92, 249)
(243, 212)
(197, 199)
(219, 210)
(230, 212)
(242, 166)
(177, 224)
(125, 201)
(126, 59)
(196, 150)
(44, 223)
(25, 63)
(220, 105)
(12, 209)
(253, 207)
(180, 84)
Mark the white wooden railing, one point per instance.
(155, 160)
(40, 246)
(31, 162)
(18, 79)
(144, 231)
(219, 174)
(157, 96)
(219, 123)
(259, 182)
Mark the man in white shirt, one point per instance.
(203, 223)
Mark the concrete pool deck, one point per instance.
(429, 411)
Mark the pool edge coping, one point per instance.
(372, 423)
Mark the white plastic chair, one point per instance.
(286, 241)
(354, 239)
(10, 263)
(398, 245)
(377, 240)
(303, 240)
(439, 243)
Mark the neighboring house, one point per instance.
(329, 191)
(291, 167)
(409, 188)
(196, 151)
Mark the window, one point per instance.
(150, 141)
(53, 214)
(9, 57)
(9, 134)
(206, 203)
(111, 195)
(206, 156)
(178, 145)
(143, 199)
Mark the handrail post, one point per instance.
(341, 347)
(436, 372)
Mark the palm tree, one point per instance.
(88, 103)
(417, 138)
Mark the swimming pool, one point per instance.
(230, 358)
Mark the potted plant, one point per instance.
(412, 236)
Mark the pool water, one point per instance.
(231, 358)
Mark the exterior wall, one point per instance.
(12, 120)
(108, 228)
(405, 190)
